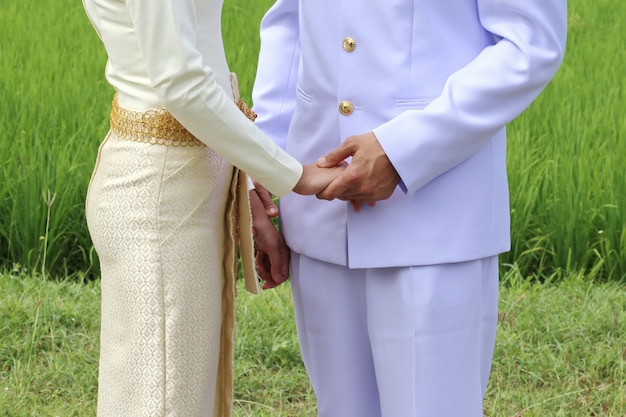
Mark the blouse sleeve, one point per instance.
(166, 33)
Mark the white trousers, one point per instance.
(397, 342)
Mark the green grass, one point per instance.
(566, 156)
(566, 153)
(561, 350)
(49, 346)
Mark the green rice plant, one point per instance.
(51, 96)
(565, 158)
(240, 28)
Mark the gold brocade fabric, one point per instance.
(157, 127)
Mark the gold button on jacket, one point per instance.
(348, 44)
(346, 108)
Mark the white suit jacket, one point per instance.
(436, 81)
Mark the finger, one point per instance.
(366, 195)
(268, 285)
(263, 269)
(263, 266)
(335, 189)
(268, 202)
(279, 264)
(356, 205)
(336, 156)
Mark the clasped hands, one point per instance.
(367, 178)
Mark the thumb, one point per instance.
(270, 207)
(279, 265)
(267, 200)
(333, 158)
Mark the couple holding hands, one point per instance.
(391, 239)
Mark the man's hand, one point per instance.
(369, 177)
(271, 252)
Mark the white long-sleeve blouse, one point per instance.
(170, 54)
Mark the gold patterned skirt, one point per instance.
(160, 218)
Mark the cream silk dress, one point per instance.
(161, 204)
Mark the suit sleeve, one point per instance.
(274, 92)
(481, 98)
(166, 33)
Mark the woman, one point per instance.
(159, 207)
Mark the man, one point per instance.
(396, 302)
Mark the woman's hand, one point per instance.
(315, 179)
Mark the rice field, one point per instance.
(566, 152)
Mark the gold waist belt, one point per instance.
(157, 127)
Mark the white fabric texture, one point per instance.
(436, 81)
(397, 342)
